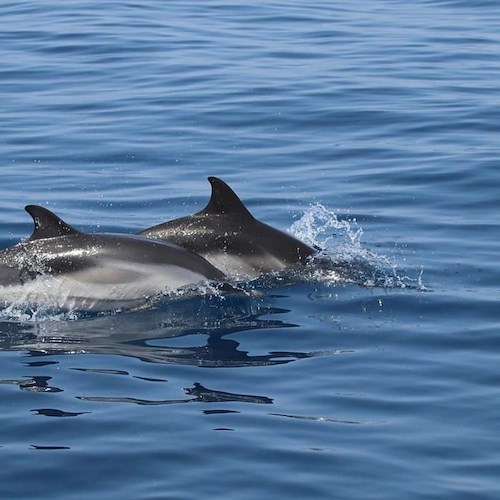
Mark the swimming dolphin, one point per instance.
(228, 236)
(60, 266)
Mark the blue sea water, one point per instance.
(370, 128)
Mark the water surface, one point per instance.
(369, 128)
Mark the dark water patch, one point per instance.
(33, 384)
(136, 401)
(201, 395)
(102, 371)
(150, 379)
(219, 412)
(49, 448)
(52, 412)
(35, 364)
(204, 395)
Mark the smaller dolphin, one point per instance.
(228, 236)
(60, 266)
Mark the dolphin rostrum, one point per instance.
(62, 267)
(228, 236)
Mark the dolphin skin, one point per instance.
(227, 235)
(62, 267)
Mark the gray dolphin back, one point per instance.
(226, 227)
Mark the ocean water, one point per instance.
(369, 128)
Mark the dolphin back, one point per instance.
(225, 231)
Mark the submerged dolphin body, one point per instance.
(61, 267)
(228, 236)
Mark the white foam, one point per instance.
(314, 226)
(344, 258)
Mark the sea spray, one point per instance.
(342, 257)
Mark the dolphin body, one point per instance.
(227, 235)
(62, 267)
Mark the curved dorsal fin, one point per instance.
(224, 201)
(48, 224)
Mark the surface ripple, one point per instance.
(370, 128)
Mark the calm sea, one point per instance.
(370, 128)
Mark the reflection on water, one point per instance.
(50, 412)
(201, 395)
(33, 384)
(156, 336)
(193, 332)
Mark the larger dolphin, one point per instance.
(62, 267)
(227, 235)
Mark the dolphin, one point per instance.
(62, 267)
(227, 235)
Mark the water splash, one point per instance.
(313, 227)
(19, 313)
(343, 258)
(48, 309)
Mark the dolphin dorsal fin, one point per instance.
(225, 201)
(48, 224)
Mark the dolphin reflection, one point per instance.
(186, 332)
